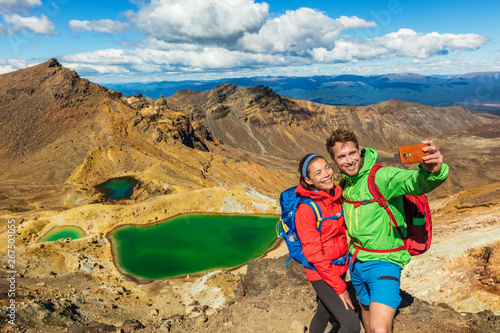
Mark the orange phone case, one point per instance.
(412, 154)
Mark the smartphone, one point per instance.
(412, 154)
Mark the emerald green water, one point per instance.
(118, 188)
(57, 233)
(192, 243)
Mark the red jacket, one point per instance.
(321, 248)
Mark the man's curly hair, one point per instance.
(340, 135)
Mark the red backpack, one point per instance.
(417, 214)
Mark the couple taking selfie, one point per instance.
(376, 253)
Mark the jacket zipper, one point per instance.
(352, 207)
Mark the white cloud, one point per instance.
(237, 36)
(156, 56)
(408, 43)
(18, 6)
(3, 30)
(455, 65)
(355, 22)
(203, 21)
(300, 32)
(150, 60)
(103, 26)
(346, 51)
(157, 44)
(10, 65)
(240, 31)
(403, 43)
(294, 31)
(37, 25)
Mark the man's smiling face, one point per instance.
(347, 157)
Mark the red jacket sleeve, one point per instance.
(312, 247)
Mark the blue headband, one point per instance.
(304, 167)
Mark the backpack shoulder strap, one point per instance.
(377, 195)
(372, 186)
(316, 210)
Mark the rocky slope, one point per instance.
(230, 150)
(74, 286)
(461, 294)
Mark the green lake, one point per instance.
(57, 233)
(192, 243)
(118, 188)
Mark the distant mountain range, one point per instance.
(475, 91)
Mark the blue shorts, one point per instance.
(376, 281)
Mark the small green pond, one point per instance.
(57, 233)
(192, 243)
(118, 188)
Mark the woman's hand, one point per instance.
(344, 297)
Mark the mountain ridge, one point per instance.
(476, 91)
(25, 104)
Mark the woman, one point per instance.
(326, 249)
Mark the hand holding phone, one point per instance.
(412, 154)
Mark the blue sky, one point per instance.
(143, 41)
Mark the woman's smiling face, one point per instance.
(320, 175)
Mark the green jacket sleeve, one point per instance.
(394, 182)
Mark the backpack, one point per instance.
(417, 215)
(289, 202)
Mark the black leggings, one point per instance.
(330, 304)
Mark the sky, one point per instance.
(111, 41)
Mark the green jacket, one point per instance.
(368, 225)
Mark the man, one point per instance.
(376, 276)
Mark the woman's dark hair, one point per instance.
(301, 165)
